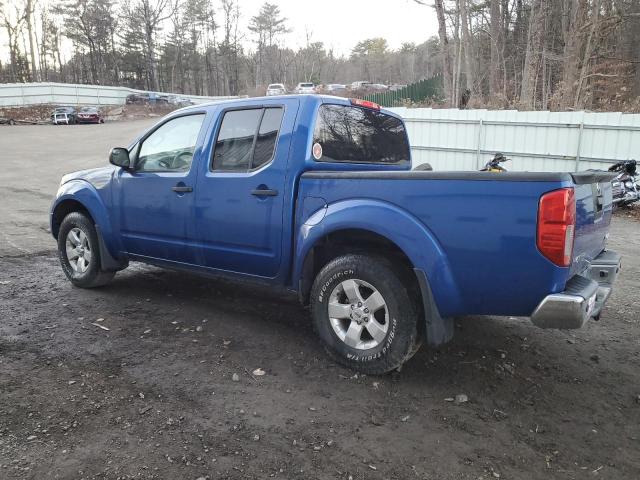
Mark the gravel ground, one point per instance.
(153, 375)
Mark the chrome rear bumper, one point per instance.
(583, 298)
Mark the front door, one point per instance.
(240, 196)
(156, 197)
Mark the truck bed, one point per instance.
(484, 224)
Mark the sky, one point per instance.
(339, 24)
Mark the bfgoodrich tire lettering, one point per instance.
(78, 236)
(343, 289)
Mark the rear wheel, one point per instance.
(79, 252)
(363, 313)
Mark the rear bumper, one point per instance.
(583, 298)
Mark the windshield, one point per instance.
(88, 109)
(306, 85)
(359, 135)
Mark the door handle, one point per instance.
(182, 189)
(264, 192)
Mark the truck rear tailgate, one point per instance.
(593, 216)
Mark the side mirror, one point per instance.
(120, 157)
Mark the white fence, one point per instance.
(535, 141)
(19, 94)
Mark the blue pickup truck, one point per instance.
(316, 194)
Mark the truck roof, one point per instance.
(304, 99)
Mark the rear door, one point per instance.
(240, 197)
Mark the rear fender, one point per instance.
(398, 226)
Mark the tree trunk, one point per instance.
(444, 52)
(28, 17)
(533, 56)
(496, 47)
(575, 15)
(588, 50)
(468, 49)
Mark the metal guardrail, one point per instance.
(23, 94)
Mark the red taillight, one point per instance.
(364, 103)
(556, 225)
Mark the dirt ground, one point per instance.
(136, 380)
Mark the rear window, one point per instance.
(306, 84)
(359, 135)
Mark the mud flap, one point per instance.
(107, 262)
(438, 330)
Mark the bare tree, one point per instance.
(533, 54)
(152, 13)
(29, 10)
(495, 16)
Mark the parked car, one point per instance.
(179, 101)
(137, 99)
(305, 88)
(359, 85)
(90, 115)
(7, 121)
(321, 201)
(64, 115)
(335, 88)
(276, 89)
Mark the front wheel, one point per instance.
(79, 252)
(364, 315)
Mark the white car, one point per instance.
(305, 87)
(276, 89)
(180, 101)
(336, 88)
(360, 85)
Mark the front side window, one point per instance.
(360, 135)
(247, 139)
(170, 148)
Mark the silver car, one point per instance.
(305, 87)
(336, 88)
(276, 89)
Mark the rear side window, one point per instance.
(247, 139)
(360, 135)
(267, 136)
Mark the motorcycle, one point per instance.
(493, 165)
(625, 187)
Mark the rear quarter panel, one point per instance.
(485, 230)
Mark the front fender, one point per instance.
(87, 195)
(398, 226)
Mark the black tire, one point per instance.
(93, 276)
(401, 339)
